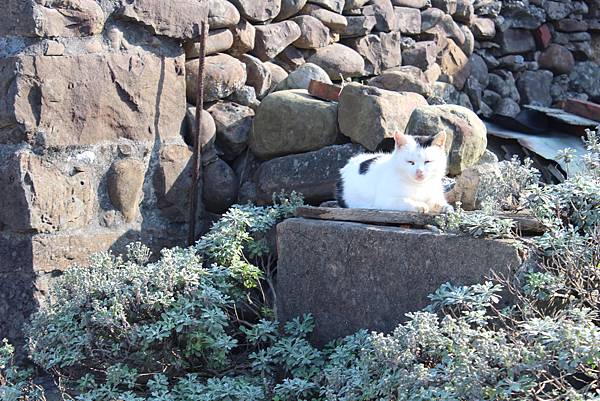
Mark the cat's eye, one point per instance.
(411, 162)
(427, 161)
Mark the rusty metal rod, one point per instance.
(197, 153)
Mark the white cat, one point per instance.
(408, 179)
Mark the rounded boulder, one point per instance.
(224, 75)
(467, 133)
(290, 122)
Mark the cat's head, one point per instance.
(421, 158)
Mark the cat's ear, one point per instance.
(400, 139)
(439, 140)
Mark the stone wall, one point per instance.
(96, 106)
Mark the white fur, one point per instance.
(391, 182)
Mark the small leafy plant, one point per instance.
(16, 383)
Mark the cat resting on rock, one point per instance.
(408, 179)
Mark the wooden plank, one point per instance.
(524, 223)
(366, 216)
(583, 109)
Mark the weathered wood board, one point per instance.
(525, 223)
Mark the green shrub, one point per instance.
(15, 382)
(195, 325)
(122, 322)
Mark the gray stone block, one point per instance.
(354, 276)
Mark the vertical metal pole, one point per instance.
(197, 153)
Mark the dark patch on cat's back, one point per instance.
(339, 194)
(363, 167)
(424, 141)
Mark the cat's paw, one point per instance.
(446, 209)
(422, 208)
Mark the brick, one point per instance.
(324, 91)
(543, 36)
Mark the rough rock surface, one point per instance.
(313, 34)
(335, 22)
(409, 20)
(244, 35)
(258, 11)
(172, 181)
(467, 189)
(91, 98)
(420, 54)
(125, 182)
(534, 87)
(514, 41)
(278, 74)
(332, 5)
(222, 14)
(223, 76)
(384, 14)
(220, 186)
(367, 114)
(358, 26)
(467, 132)
(290, 8)
(454, 65)
(53, 19)
(380, 51)
(300, 78)
(557, 59)
(403, 79)
(178, 19)
(209, 129)
(338, 61)
(258, 75)
(310, 124)
(233, 123)
(219, 40)
(51, 199)
(310, 261)
(272, 39)
(312, 174)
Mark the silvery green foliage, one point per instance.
(575, 202)
(571, 210)
(169, 314)
(121, 319)
(508, 191)
(592, 157)
(479, 223)
(15, 382)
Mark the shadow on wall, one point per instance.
(18, 284)
(33, 253)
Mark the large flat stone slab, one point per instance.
(354, 276)
(91, 98)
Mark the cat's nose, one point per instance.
(419, 173)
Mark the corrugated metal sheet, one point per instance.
(546, 145)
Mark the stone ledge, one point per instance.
(354, 276)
